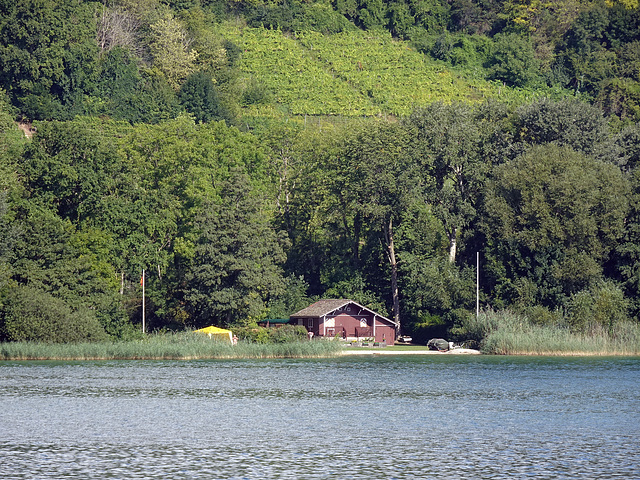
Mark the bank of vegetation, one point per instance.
(172, 346)
(509, 333)
(251, 157)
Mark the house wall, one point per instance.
(357, 326)
(349, 325)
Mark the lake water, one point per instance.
(381, 417)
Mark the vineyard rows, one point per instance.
(353, 74)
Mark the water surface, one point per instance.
(379, 417)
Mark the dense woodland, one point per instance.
(252, 156)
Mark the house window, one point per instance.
(310, 324)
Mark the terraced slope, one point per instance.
(352, 73)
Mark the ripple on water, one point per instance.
(345, 418)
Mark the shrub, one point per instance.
(199, 96)
(601, 306)
(513, 60)
(428, 327)
(34, 315)
(252, 334)
(287, 333)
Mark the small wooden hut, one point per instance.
(345, 319)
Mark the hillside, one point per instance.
(354, 73)
(145, 62)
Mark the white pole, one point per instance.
(477, 284)
(143, 312)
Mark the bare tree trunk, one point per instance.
(453, 245)
(391, 254)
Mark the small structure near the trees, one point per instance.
(217, 333)
(274, 322)
(345, 319)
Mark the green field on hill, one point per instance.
(354, 73)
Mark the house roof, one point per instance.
(329, 305)
(275, 321)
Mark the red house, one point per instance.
(346, 319)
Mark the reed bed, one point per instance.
(511, 334)
(183, 346)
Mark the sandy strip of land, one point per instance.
(382, 351)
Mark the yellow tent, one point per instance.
(215, 332)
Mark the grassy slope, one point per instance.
(352, 74)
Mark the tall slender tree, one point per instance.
(376, 177)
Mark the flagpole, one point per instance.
(143, 312)
(477, 284)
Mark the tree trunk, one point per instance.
(453, 244)
(391, 254)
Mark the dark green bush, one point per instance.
(513, 60)
(34, 315)
(428, 327)
(199, 96)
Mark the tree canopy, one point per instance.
(252, 157)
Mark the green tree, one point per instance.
(199, 96)
(51, 256)
(376, 179)
(449, 142)
(68, 165)
(170, 48)
(627, 257)
(552, 216)
(569, 122)
(513, 60)
(238, 258)
(48, 55)
(33, 315)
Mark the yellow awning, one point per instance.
(217, 331)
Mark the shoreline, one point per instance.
(382, 351)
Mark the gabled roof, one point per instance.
(329, 305)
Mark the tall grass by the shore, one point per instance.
(181, 346)
(508, 333)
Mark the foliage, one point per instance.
(293, 298)
(452, 170)
(513, 60)
(170, 49)
(295, 16)
(601, 306)
(31, 314)
(237, 258)
(199, 97)
(568, 122)
(547, 209)
(132, 169)
(287, 334)
(47, 56)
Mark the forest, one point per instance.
(252, 156)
